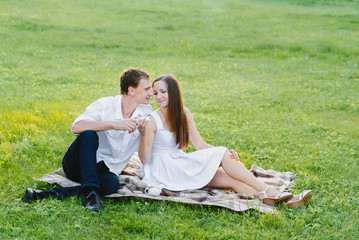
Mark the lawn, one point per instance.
(276, 80)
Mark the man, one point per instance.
(107, 138)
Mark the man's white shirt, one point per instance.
(116, 147)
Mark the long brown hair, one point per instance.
(176, 117)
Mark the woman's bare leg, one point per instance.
(222, 180)
(235, 169)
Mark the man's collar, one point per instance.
(137, 113)
(118, 114)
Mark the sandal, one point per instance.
(280, 197)
(304, 199)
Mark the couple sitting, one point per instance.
(113, 128)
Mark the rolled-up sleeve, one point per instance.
(94, 112)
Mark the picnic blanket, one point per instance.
(132, 186)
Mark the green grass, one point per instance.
(276, 80)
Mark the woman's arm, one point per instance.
(194, 135)
(147, 130)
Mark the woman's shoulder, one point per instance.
(187, 112)
(155, 115)
(155, 121)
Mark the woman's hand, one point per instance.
(234, 155)
(142, 123)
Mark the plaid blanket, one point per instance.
(132, 186)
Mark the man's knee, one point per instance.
(89, 135)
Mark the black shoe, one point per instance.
(33, 194)
(92, 201)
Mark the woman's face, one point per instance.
(160, 93)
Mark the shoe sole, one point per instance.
(93, 209)
(303, 201)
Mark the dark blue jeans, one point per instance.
(80, 165)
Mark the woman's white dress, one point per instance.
(171, 168)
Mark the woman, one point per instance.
(169, 129)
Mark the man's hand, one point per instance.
(128, 124)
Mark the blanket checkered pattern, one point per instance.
(132, 186)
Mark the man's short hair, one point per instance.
(131, 77)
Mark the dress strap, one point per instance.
(158, 119)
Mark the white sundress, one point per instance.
(171, 168)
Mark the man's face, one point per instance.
(143, 92)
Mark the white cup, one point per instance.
(153, 191)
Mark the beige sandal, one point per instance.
(304, 199)
(281, 197)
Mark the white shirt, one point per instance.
(116, 147)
